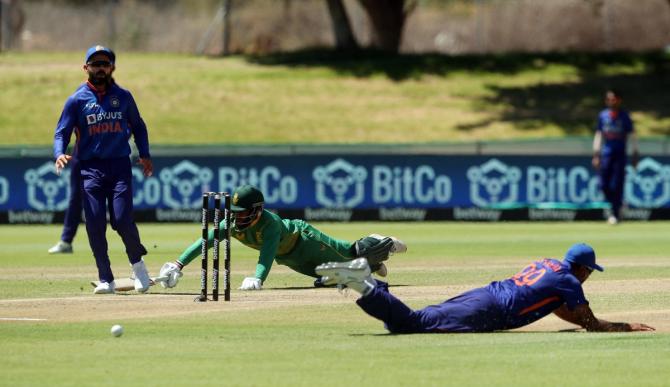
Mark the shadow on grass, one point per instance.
(399, 67)
(570, 106)
(573, 106)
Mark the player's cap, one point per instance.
(582, 254)
(246, 197)
(98, 48)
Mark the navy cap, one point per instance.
(98, 48)
(582, 254)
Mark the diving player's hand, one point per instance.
(251, 283)
(173, 272)
(147, 166)
(61, 162)
(637, 327)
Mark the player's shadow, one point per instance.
(389, 334)
(313, 287)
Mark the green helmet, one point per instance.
(247, 202)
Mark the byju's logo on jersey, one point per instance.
(649, 185)
(46, 190)
(91, 119)
(494, 183)
(184, 184)
(340, 184)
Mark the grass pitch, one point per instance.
(321, 97)
(290, 334)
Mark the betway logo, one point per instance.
(45, 217)
(402, 214)
(328, 214)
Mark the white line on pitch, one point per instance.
(21, 319)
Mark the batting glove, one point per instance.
(173, 273)
(251, 283)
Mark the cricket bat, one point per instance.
(128, 284)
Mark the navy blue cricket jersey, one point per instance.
(103, 124)
(537, 290)
(615, 127)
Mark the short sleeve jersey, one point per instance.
(537, 290)
(615, 127)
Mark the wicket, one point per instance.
(215, 246)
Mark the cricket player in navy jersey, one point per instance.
(103, 117)
(294, 243)
(613, 130)
(541, 288)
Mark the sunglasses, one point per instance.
(100, 63)
(590, 270)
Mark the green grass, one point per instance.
(332, 342)
(317, 97)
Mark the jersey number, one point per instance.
(529, 275)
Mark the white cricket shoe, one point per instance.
(142, 280)
(105, 288)
(352, 274)
(61, 247)
(398, 245)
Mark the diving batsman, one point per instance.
(294, 243)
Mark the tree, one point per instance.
(344, 36)
(387, 18)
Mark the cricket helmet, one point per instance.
(246, 203)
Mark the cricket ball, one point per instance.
(117, 330)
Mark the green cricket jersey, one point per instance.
(294, 243)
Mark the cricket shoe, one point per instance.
(61, 247)
(142, 280)
(321, 282)
(398, 245)
(352, 274)
(105, 288)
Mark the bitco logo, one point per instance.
(184, 183)
(340, 184)
(47, 191)
(494, 183)
(649, 185)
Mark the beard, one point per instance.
(100, 78)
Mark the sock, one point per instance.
(364, 287)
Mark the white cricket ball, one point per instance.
(117, 330)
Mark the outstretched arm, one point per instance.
(583, 316)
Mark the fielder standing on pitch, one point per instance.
(614, 129)
(539, 289)
(294, 243)
(104, 116)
